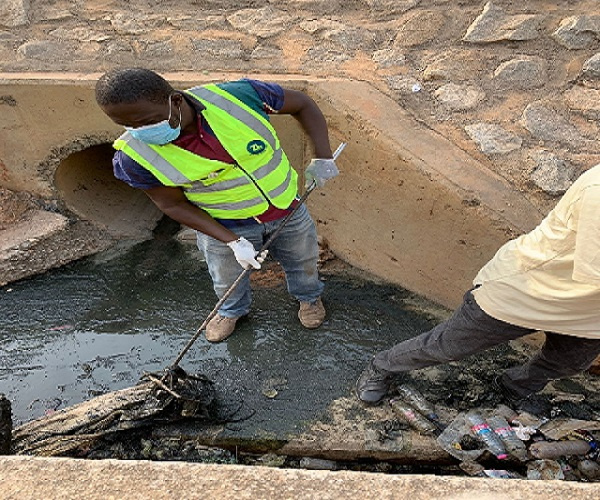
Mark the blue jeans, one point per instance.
(295, 248)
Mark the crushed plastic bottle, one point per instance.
(452, 440)
(511, 441)
(483, 431)
(412, 416)
(414, 398)
(547, 449)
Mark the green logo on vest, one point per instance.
(256, 147)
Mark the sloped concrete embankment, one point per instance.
(409, 206)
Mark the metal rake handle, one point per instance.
(242, 275)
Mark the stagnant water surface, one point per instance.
(98, 324)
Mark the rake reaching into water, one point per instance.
(174, 371)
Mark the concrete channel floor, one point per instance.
(26, 478)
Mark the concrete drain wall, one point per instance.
(408, 206)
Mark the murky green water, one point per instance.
(98, 324)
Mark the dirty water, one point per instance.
(96, 325)
(99, 324)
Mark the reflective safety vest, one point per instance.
(261, 173)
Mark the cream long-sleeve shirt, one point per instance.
(549, 278)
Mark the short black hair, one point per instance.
(130, 85)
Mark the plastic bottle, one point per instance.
(414, 398)
(555, 449)
(511, 441)
(412, 416)
(483, 431)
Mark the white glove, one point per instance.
(245, 253)
(320, 170)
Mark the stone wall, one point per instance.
(515, 84)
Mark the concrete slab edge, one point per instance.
(33, 478)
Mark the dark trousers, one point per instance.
(471, 330)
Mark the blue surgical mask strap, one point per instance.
(158, 133)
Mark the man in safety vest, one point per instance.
(209, 158)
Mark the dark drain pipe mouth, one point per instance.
(86, 185)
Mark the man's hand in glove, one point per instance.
(245, 253)
(320, 170)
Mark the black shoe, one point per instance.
(534, 403)
(373, 384)
(508, 396)
(537, 406)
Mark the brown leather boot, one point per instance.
(311, 315)
(219, 328)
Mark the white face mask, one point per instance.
(157, 133)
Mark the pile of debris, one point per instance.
(75, 431)
(524, 445)
(493, 441)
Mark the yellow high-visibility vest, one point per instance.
(261, 174)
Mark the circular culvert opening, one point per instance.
(86, 185)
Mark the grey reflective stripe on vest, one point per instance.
(199, 187)
(235, 205)
(282, 187)
(154, 159)
(238, 205)
(271, 165)
(237, 112)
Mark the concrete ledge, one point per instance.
(43, 241)
(48, 478)
(39, 225)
